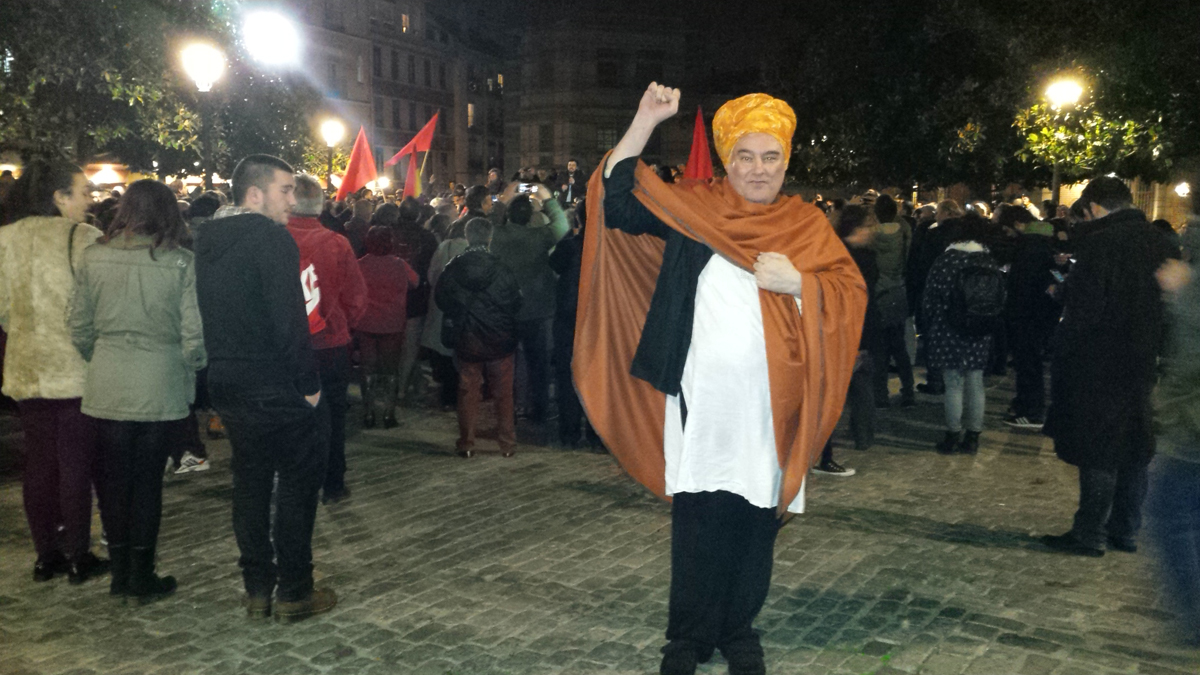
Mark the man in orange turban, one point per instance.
(717, 330)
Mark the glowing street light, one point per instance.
(332, 131)
(1063, 93)
(203, 63)
(1183, 189)
(271, 38)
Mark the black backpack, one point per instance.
(977, 299)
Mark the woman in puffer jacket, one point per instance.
(39, 251)
(134, 319)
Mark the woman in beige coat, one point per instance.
(39, 252)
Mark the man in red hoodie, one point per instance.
(335, 296)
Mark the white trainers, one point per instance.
(191, 463)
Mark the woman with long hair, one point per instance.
(134, 319)
(381, 327)
(40, 250)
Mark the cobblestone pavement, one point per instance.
(556, 562)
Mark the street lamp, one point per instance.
(332, 131)
(1061, 94)
(271, 38)
(205, 64)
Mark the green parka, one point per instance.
(134, 319)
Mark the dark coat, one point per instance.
(947, 348)
(1031, 274)
(868, 266)
(480, 298)
(1106, 347)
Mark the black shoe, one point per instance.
(1023, 422)
(932, 390)
(45, 568)
(832, 468)
(908, 400)
(949, 444)
(86, 566)
(144, 584)
(745, 657)
(679, 658)
(1067, 543)
(1122, 545)
(969, 444)
(368, 420)
(335, 496)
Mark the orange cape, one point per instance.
(810, 354)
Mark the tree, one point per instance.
(1083, 142)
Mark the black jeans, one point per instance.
(331, 412)
(134, 454)
(273, 431)
(891, 347)
(1110, 505)
(722, 549)
(570, 411)
(533, 338)
(1029, 340)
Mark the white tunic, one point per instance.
(729, 441)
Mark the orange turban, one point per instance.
(753, 113)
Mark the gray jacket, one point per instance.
(134, 319)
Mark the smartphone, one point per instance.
(1058, 276)
(527, 187)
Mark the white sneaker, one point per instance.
(191, 463)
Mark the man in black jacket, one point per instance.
(1104, 369)
(480, 298)
(263, 380)
(1031, 315)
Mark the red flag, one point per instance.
(361, 169)
(699, 164)
(419, 143)
(412, 179)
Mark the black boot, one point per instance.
(949, 444)
(118, 556)
(679, 658)
(970, 443)
(745, 657)
(85, 566)
(143, 582)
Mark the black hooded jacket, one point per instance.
(252, 304)
(480, 298)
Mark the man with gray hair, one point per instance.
(335, 297)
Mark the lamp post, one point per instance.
(332, 131)
(205, 64)
(1061, 94)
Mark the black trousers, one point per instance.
(446, 375)
(133, 457)
(331, 411)
(891, 347)
(273, 432)
(570, 411)
(1110, 505)
(532, 335)
(722, 549)
(1029, 340)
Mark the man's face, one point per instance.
(277, 200)
(572, 166)
(756, 168)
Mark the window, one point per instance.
(379, 111)
(412, 115)
(441, 76)
(377, 62)
(395, 114)
(470, 114)
(491, 84)
(331, 82)
(404, 25)
(428, 73)
(610, 68)
(606, 139)
(361, 74)
(412, 69)
(395, 65)
(429, 115)
(500, 80)
(546, 138)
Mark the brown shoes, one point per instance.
(257, 607)
(322, 600)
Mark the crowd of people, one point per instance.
(131, 319)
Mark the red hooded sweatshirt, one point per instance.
(334, 292)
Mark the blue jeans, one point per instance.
(964, 394)
(1174, 510)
